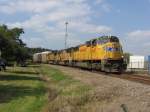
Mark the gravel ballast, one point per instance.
(112, 94)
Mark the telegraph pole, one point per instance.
(66, 35)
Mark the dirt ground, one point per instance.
(112, 94)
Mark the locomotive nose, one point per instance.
(114, 51)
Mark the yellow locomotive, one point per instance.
(104, 53)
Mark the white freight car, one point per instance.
(35, 57)
(136, 62)
(44, 56)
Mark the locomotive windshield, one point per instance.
(102, 40)
(105, 39)
(113, 39)
(114, 49)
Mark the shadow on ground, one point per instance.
(24, 72)
(18, 77)
(10, 92)
(35, 66)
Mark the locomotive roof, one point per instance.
(102, 38)
(107, 37)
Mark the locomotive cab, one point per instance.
(113, 49)
(113, 57)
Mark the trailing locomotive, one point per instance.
(104, 53)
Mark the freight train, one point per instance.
(104, 53)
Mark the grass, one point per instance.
(66, 94)
(21, 90)
(69, 95)
(40, 89)
(66, 84)
(46, 89)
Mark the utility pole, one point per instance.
(66, 35)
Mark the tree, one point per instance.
(11, 46)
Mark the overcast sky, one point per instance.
(44, 21)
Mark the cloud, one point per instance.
(138, 42)
(99, 1)
(139, 34)
(48, 18)
(33, 6)
(106, 7)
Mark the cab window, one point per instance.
(88, 43)
(94, 42)
(114, 39)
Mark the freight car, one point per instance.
(41, 57)
(104, 53)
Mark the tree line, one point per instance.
(12, 48)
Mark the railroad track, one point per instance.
(133, 77)
(125, 76)
(128, 76)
